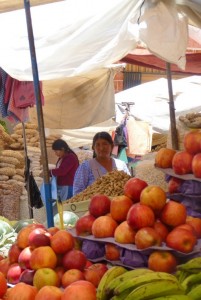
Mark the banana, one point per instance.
(173, 297)
(122, 296)
(183, 275)
(192, 266)
(111, 273)
(142, 279)
(124, 277)
(191, 280)
(195, 293)
(156, 289)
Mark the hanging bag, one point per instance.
(53, 183)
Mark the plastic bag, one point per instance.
(53, 183)
(120, 136)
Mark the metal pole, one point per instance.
(174, 135)
(48, 200)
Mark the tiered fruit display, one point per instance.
(42, 257)
(150, 221)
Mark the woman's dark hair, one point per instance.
(102, 135)
(61, 145)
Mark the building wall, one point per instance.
(147, 74)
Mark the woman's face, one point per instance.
(102, 148)
(59, 153)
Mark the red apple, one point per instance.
(163, 158)
(174, 184)
(162, 261)
(187, 227)
(140, 215)
(147, 237)
(154, 197)
(49, 293)
(100, 268)
(27, 276)
(112, 252)
(4, 265)
(75, 291)
(173, 214)
(124, 233)
(196, 223)
(14, 273)
(182, 163)
(133, 188)
(13, 253)
(104, 226)
(192, 141)
(24, 258)
(62, 241)
(92, 276)
(39, 237)
(181, 240)
(88, 264)
(162, 229)
(43, 257)
(196, 165)
(83, 225)
(60, 271)
(52, 230)
(74, 259)
(119, 207)
(99, 205)
(71, 276)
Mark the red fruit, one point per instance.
(74, 259)
(14, 273)
(14, 253)
(182, 163)
(173, 214)
(39, 237)
(84, 224)
(99, 205)
(133, 188)
(140, 215)
(104, 226)
(163, 158)
(147, 237)
(196, 165)
(181, 240)
(162, 261)
(192, 141)
(162, 229)
(119, 207)
(174, 185)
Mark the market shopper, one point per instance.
(103, 162)
(66, 167)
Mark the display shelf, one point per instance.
(169, 171)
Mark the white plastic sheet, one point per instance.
(73, 37)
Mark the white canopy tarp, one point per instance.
(151, 101)
(79, 101)
(73, 37)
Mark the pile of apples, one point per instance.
(144, 217)
(45, 262)
(187, 161)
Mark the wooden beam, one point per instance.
(6, 6)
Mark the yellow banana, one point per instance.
(111, 273)
(195, 293)
(173, 297)
(156, 289)
(124, 277)
(122, 296)
(191, 280)
(142, 279)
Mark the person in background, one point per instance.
(103, 162)
(66, 167)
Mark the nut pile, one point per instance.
(191, 120)
(111, 184)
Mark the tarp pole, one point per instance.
(48, 200)
(173, 127)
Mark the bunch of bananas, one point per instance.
(139, 284)
(189, 276)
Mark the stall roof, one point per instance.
(73, 37)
